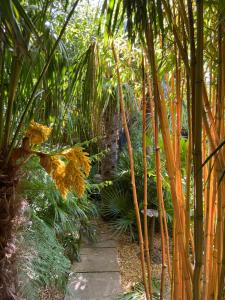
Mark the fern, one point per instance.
(42, 261)
(53, 238)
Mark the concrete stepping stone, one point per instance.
(97, 260)
(96, 276)
(94, 286)
(103, 241)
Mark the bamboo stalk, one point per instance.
(130, 152)
(193, 61)
(160, 200)
(212, 250)
(177, 275)
(159, 181)
(198, 213)
(208, 216)
(222, 273)
(169, 157)
(172, 113)
(207, 115)
(144, 130)
(220, 131)
(188, 168)
(160, 205)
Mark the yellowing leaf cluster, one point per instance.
(69, 175)
(79, 157)
(38, 133)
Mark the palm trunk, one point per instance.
(15, 73)
(2, 57)
(9, 208)
(110, 143)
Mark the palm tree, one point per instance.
(22, 73)
(110, 140)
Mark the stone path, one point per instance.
(97, 276)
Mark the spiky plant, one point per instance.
(18, 39)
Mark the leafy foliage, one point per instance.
(138, 292)
(68, 168)
(42, 261)
(117, 205)
(53, 232)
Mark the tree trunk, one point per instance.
(9, 206)
(110, 142)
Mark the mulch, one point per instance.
(130, 263)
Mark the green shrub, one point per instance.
(53, 235)
(42, 261)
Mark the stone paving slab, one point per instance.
(97, 276)
(94, 286)
(105, 244)
(100, 244)
(103, 241)
(104, 236)
(97, 260)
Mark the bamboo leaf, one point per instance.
(221, 177)
(160, 17)
(27, 20)
(214, 152)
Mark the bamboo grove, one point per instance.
(192, 33)
(178, 47)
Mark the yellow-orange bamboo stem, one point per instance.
(130, 152)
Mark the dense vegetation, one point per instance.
(109, 110)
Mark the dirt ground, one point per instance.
(130, 263)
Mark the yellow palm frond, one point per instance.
(69, 175)
(38, 133)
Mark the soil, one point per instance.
(130, 263)
(51, 294)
